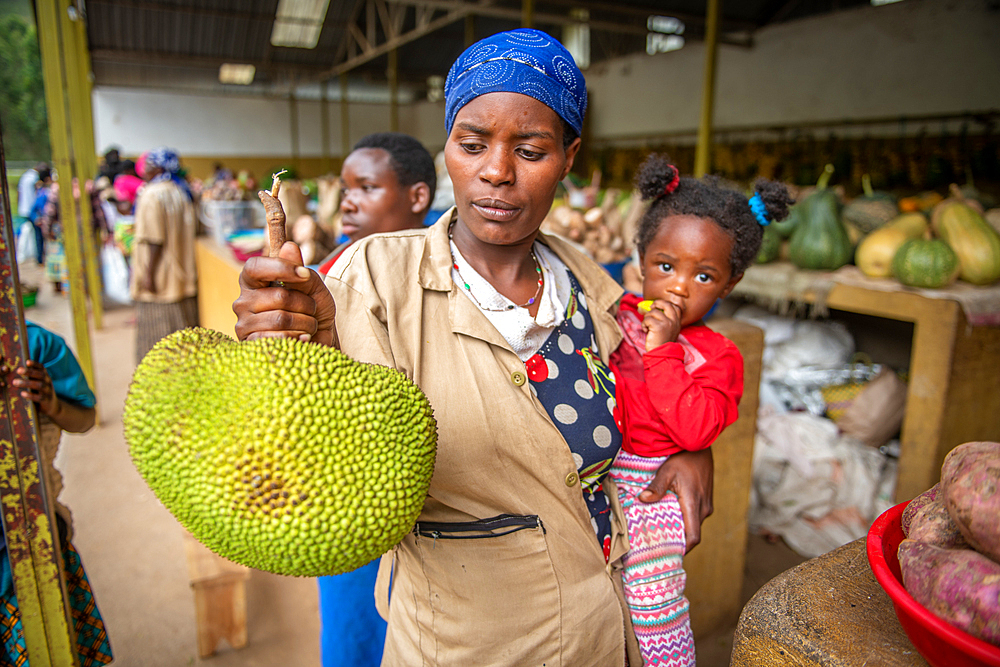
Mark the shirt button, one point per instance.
(518, 378)
(572, 479)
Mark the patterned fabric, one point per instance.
(156, 320)
(578, 393)
(92, 644)
(525, 61)
(653, 574)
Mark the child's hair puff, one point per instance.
(711, 198)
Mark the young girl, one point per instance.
(678, 382)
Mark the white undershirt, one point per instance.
(524, 333)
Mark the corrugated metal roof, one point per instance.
(160, 42)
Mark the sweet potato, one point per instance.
(932, 524)
(970, 488)
(915, 506)
(960, 586)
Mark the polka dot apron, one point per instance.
(578, 392)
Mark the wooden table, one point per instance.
(830, 612)
(954, 389)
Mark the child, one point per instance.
(54, 381)
(678, 382)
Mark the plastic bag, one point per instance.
(27, 245)
(115, 274)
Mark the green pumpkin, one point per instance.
(820, 240)
(799, 211)
(929, 263)
(770, 247)
(871, 210)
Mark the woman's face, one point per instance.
(505, 158)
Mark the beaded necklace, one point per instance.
(465, 283)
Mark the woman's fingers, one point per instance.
(690, 475)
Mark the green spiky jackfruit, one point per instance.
(284, 456)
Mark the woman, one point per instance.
(508, 333)
(164, 280)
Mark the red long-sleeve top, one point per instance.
(679, 396)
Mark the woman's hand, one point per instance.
(690, 475)
(303, 308)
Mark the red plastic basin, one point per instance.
(941, 644)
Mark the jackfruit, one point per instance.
(284, 456)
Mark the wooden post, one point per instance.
(527, 13)
(393, 75)
(470, 30)
(29, 523)
(293, 118)
(84, 153)
(345, 121)
(53, 69)
(324, 125)
(703, 153)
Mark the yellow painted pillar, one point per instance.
(470, 30)
(50, 33)
(293, 117)
(84, 153)
(345, 121)
(527, 13)
(324, 125)
(393, 75)
(39, 584)
(703, 152)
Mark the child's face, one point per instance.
(687, 263)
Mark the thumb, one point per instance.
(655, 491)
(291, 252)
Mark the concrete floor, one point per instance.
(133, 549)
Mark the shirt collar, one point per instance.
(601, 289)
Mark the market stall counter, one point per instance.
(954, 388)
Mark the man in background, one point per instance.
(387, 184)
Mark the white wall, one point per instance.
(910, 58)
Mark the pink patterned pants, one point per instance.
(653, 573)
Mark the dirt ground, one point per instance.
(133, 550)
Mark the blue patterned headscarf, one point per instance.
(524, 61)
(170, 162)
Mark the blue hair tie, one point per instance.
(759, 209)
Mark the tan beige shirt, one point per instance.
(537, 596)
(164, 216)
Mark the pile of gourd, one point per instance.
(924, 241)
(605, 230)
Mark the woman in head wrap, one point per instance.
(508, 332)
(164, 284)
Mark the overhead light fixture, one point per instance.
(660, 43)
(241, 75)
(298, 23)
(668, 25)
(879, 3)
(576, 37)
